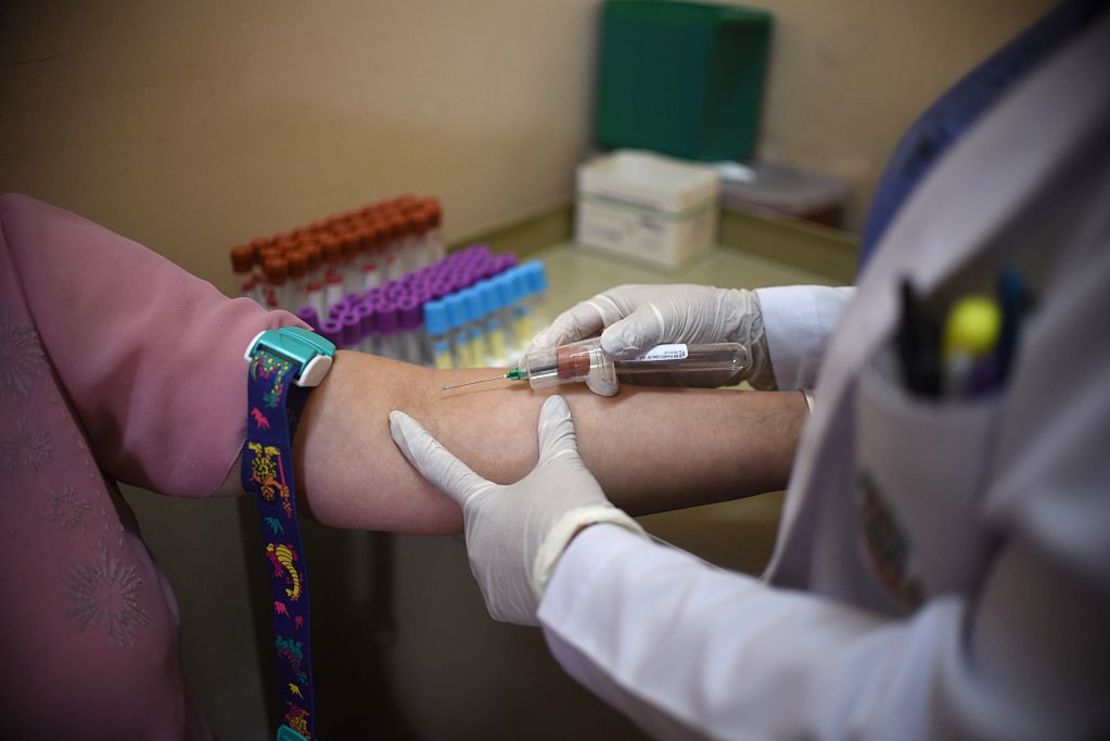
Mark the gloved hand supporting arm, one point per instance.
(516, 533)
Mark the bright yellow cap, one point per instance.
(973, 326)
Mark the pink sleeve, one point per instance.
(150, 356)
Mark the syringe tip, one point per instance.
(471, 383)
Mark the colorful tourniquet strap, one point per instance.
(274, 404)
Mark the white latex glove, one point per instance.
(516, 533)
(636, 318)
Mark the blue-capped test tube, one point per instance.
(460, 344)
(475, 330)
(523, 328)
(536, 280)
(495, 331)
(438, 325)
(505, 288)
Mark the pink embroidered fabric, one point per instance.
(115, 365)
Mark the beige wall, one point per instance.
(191, 126)
(848, 77)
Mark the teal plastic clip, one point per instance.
(285, 733)
(311, 352)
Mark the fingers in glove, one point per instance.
(556, 431)
(584, 319)
(433, 461)
(642, 330)
(602, 380)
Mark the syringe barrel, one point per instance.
(728, 359)
(564, 364)
(718, 363)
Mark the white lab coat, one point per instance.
(942, 568)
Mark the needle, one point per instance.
(471, 383)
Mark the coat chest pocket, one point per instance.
(920, 468)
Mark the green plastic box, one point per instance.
(684, 79)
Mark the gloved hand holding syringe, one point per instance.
(585, 361)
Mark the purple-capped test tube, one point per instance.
(369, 325)
(411, 316)
(388, 325)
(332, 329)
(352, 328)
(505, 261)
(308, 315)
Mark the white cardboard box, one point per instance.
(646, 206)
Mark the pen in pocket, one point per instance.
(971, 340)
(918, 340)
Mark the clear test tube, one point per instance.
(460, 342)
(388, 326)
(298, 268)
(475, 326)
(411, 318)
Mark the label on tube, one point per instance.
(665, 352)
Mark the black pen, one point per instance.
(918, 346)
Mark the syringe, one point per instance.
(572, 363)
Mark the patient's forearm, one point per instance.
(651, 449)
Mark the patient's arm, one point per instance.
(652, 450)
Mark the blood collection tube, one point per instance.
(314, 278)
(407, 243)
(242, 265)
(333, 279)
(277, 275)
(371, 277)
(298, 268)
(433, 237)
(348, 253)
(574, 362)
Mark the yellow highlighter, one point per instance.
(971, 334)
